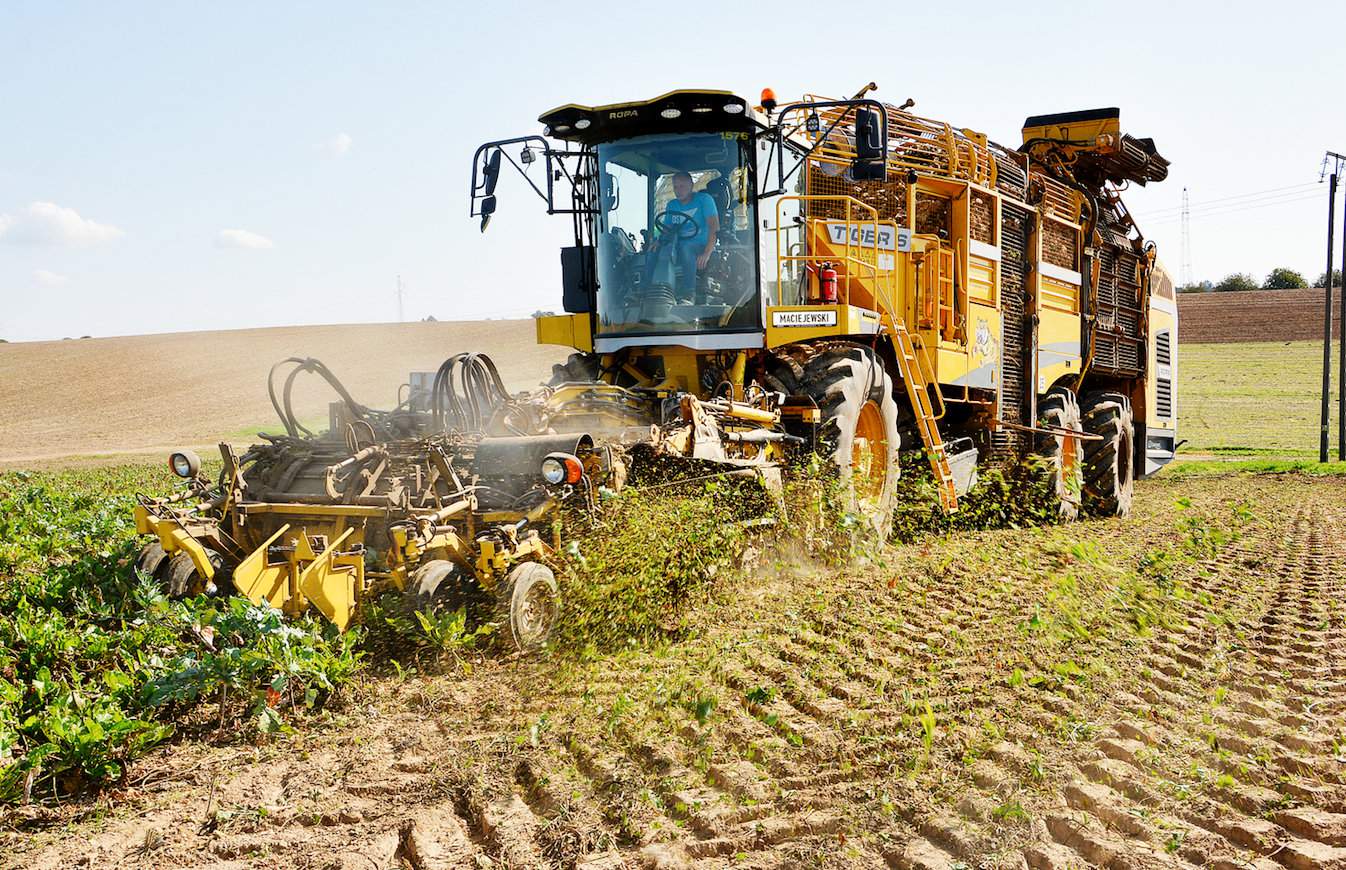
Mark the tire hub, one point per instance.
(869, 453)
(535, 613)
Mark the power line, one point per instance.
(1233, 210)
(1274, 198)
(1292, 196)
(1186, 270)
(1250, 195)
(1214, 214)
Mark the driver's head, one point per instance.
(682, 186)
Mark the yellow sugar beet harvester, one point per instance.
(746, 285)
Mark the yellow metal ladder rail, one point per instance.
(918, 379)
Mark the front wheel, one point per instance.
(528, 603)
(153, 562)
(436, 585)
(182, 579)
(1062, 456)
(857, 426)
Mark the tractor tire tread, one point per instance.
(1109, 484)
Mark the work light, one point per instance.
(184, 463)
(553, 470)
(562, 468)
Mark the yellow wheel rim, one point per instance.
(869, 453)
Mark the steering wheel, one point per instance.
(677, 224)
(623, 241)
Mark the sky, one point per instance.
(169, 167)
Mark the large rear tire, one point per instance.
(857, 429)
(1063, 466)
(1109, 464)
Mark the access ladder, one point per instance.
(918, 375)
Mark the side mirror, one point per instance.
(491, 172)
(487, 208)
(871, 151)
(869, 144)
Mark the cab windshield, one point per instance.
(675, 235)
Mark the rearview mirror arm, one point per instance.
(479, 184)
(779, 131)
(556, 169)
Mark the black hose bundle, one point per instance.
(467, 393)
(283, 405)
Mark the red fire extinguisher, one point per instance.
(827, 283)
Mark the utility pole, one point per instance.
(1185, 275)
(401, 319)
(1341, 349)
(1335, 160)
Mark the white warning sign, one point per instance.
(826, 317)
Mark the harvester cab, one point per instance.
(674, 204)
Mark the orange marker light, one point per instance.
(768, 99)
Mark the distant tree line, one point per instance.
(1279, 278)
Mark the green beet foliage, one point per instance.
(97, 666)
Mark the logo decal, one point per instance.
(985, 342)
(864, 235)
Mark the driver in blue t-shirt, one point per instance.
(691, 241)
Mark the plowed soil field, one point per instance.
(1163, 691)
(1255, 315)
(155, 393)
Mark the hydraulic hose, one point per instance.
(284, 405)
(467, 393)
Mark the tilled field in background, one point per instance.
(1254, 315)
(159, 392)
(1164, 691)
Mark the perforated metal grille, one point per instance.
(1058, 245)
(982, 217)
(1010, 176)
(888, 198)
(1163, 354)
(1119, 343)
(933, 214)
(1016, 229)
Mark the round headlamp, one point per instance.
(553, 470)
(184, 463)
(562, 468)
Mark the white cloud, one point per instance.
(242, 239)
(338, 146)
(46, 223)
(49, 279)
